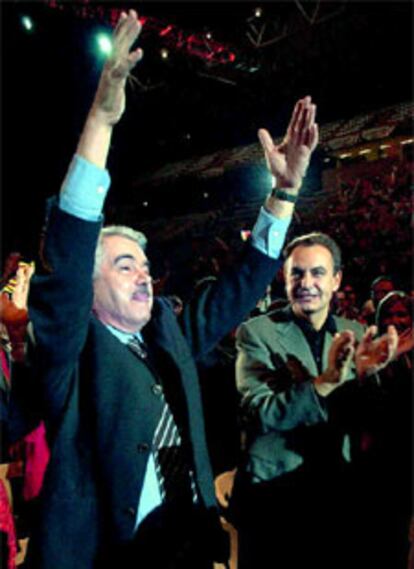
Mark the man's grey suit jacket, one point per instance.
(288, 424)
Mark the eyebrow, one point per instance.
(317, 268)
(123, 257)
(130, 257)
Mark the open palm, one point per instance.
(289, 160)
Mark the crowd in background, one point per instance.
(366, 208)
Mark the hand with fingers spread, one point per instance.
(405, 342)
(340, 356)
(109, 101)
(13, 310)
(373, 355)
(289, 160)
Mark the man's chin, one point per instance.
(306, 308)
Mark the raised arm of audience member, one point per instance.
(13, 309)
(109, 103)
(104, 401)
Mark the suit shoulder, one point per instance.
(346, 324)
(261, 321)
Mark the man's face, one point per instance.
(350, 295)
(310, 280)
(123, 295)
(397, 315)
(380, 290)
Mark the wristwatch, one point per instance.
(281, 194)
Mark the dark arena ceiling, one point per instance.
(229, 71)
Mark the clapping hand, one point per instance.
(373, 355)
(340, 355)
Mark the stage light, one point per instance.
(27, 23)
(346, 155)
(407, 141)
(164, 53)
(104, 43)
(208, 35)
(145, 204)
(258, 12)
(365, 151)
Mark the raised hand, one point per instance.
(340, 356)
(372, 355)
(109, 103)
(20, 293)
(289, 160)
(405, 342)
(13, 310)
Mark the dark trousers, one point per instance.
(295, 522)
(167, 539)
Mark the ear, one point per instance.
(337, 280)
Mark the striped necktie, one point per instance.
(175, 479)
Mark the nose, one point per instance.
(143, 277)
(306, 280)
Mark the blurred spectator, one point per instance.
(177, 304)
(345, 303)
(384, 474)
(380, 287)
(30, 451)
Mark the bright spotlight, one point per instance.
(27, 23)
(104, 43)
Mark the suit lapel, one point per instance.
(293, 341)
(326, 347)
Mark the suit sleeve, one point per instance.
(269, 394)
(60, 300)
(224, 303)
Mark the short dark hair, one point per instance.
(316, 238)
(385, 304)
(380, 279)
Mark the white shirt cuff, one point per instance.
(84, 189)
(269, 233)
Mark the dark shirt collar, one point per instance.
(316, 338)
(328, 326)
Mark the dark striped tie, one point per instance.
(175, 479)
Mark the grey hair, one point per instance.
(121, 230)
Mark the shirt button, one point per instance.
(156, 389)
(143, 447)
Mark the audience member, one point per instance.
(384, 465)
(129, 481)
(300, 377)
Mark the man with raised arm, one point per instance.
(129, 481)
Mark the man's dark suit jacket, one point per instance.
(101, 404)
